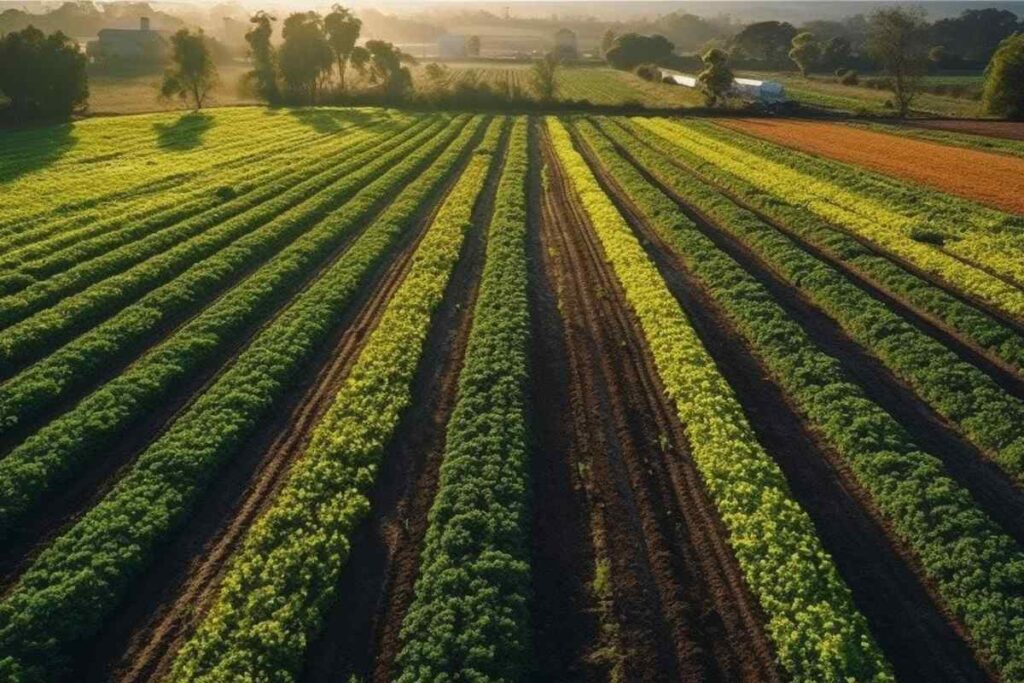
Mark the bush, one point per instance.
(849, 77)
(43, 76)
(1004, 79)
(648, 72)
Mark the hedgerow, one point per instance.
(75, 584)
(284, 576)
(469, 617)
(817, 631)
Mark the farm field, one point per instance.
(824, 92)
(598, 85)
(366, 394)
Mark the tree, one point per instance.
(545, 77)
(687, 31)
(632, 49)
(384, 64)
(263, 77)
(1003, 94)
(766, 41)
(438, 75)
(305, 58)
(473, 46)
(835, 53)
(607, 41)
(192, 73)
(806, 52)
(43, 76)
(342, 28)
(897, 42)
(716, 78)
(975, 34)
(565, 44)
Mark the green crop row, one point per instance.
(75, 584)
(109, 229)
(871, 217)
(977, 327)
(976, 568)
(170, 150)
(222, 221)
(817, 631)
(73, 440)
(281, 581)
(957, 390)
(236, 242)
(46, 231)
(469, 617)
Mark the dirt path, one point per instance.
(170, 599)
(677, 597)
(993, 179)
(361, 635)
(921, 642)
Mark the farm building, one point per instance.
(118, 44)
(766, 92)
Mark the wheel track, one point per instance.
(681, 600)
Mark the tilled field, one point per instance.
(361, 394)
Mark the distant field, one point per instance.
(823, 91)
(133, 94)
(598, 85)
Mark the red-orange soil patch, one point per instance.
(992, 179)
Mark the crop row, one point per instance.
(44, 294)
(957, 390)
(263, 229)
(138, 240)
(977, 327)
(91, 428)
(817, 631)
(977, 569)
(58, 244)
(168, 153)
(870, 218)
(73, 586)
(469, 615)
(283, 578)
(54, 226)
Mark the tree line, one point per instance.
(898, 41)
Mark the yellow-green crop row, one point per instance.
(76, 583)
(817, 631)
(866, 217)
(275, 593)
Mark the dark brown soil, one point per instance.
(995, 493)
(65, 504)
(564, 611)
(919, 640)
(361, 635)
(171, 598)
(678, 600)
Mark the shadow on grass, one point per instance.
(34, 149)
(185, 133)
(327, 121)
